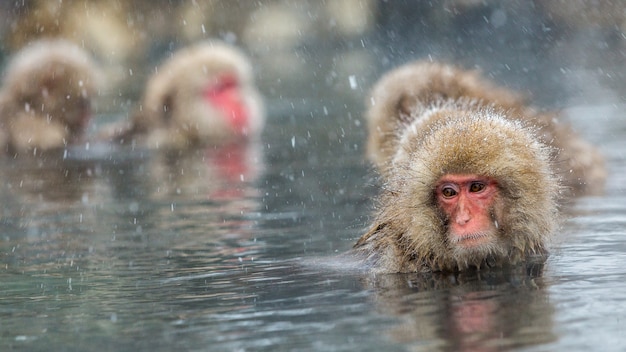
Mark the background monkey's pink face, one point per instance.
(226, 96)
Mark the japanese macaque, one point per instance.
(45, 99)
(202, 95)
(470, 176)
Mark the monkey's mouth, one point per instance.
(469, 239)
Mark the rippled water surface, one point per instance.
(231, 249)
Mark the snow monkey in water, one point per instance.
(45, 99)
(471, 175)
(203, 94)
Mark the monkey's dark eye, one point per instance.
(448, 192)
(476, 187)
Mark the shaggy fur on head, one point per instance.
(394, 98)
(399, 93)
(461, 137)
(45, 101)
(173, 112)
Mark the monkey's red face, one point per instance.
(225, 96)
(467, 202)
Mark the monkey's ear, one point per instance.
(168, 106)
(406, 105)
(49, 82)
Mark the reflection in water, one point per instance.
(49, 196)
(472, 311)
(48, 178)
(74, 233)
(216, 173)
(190, 194)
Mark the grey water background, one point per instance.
(232, 249)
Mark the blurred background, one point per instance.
(330, 52)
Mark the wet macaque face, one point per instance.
(467, 202)
(225, 95)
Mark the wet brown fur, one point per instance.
(46, 96)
